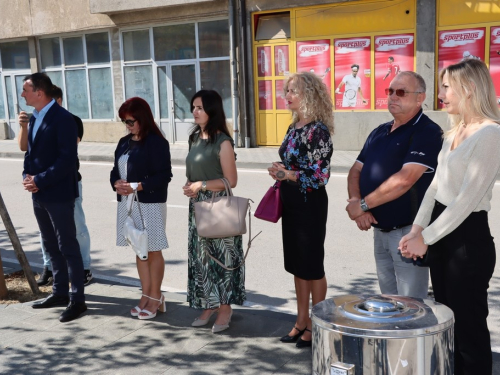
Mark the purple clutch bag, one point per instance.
(270, 206)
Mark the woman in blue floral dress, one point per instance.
(304, 171)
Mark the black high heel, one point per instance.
(293, 338)
(303, 343)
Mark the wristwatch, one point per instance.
(364, 206)
(204, 186)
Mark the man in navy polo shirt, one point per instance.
(388, 181)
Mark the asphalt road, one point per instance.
(349, 260)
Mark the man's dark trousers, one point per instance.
(57, 226)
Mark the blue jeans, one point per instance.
(82, 234)
(396, 274)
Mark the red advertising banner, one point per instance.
(457, 45)
(265, 95)
(393, 53)
(314, 56)
(280, 95)
(352, 73)
(495, 59)
(281, 61)
(264, 61)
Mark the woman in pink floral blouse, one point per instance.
(305, 169)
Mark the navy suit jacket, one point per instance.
(52, 155)
(148, 163)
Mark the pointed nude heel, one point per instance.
(201, 322)
(150, 315)
(136, 310)
(222, 327)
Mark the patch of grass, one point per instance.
(20, 291)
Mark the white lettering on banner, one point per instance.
(393, 42)
(306, 50)
(461, 38)
(351, 45)
(495, 33)
(381, 102)
(356, 44)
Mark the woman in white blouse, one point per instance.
(452, 222)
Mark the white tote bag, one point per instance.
(135, 237)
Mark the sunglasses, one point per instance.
(129, 122)
(400, 92)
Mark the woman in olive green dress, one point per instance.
(211, 157)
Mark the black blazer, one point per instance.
(52, 156)
(148, 163)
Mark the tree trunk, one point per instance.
(3, 286)
(18, 249)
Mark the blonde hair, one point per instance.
(471, 79)
(315, 100)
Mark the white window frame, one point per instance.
(10, 73)
(86, 66)
(155, 64)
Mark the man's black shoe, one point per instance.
(46, 278)
(51, 301)
(73, 311)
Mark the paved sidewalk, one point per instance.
(259, 157)
(107, 340)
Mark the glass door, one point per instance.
(14, 102)
(181, 84)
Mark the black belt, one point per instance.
(386, 230)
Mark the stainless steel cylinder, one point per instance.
(382, 335)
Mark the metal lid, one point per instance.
(382, 316)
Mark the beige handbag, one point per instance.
(224, 216)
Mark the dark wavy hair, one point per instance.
(139, 109)
(212, 105)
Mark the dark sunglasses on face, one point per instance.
(400, 92)
(129, 122)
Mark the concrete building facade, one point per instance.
(103, 52)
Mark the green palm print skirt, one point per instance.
(210, 285)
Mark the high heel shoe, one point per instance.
(201, 322)
(136, 310)
(151, 315)
(303, 343)
(222, 327)
(290, 339)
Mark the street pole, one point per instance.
(18, 249)
(3, 286)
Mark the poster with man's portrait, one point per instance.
(457, 45)
(352, 73)
(314, 56)
(393, 54)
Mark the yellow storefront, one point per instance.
(354, 27)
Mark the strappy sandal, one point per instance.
(149, 314)
(136, 310)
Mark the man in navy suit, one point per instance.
(50, 175)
